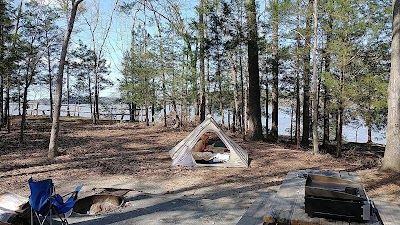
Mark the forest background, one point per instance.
(195, 57)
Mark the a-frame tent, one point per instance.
(181, 154)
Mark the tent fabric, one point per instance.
(181, 154)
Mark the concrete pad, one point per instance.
(149, 209)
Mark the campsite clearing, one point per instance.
(131, 155)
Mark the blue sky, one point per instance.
(119, 37)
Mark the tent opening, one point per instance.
(210, 149)
(208, 145)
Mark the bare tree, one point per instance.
(98, 50)
(391, 159)
(55, 128)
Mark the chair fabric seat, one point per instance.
(45, 203)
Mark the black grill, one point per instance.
(336, 198)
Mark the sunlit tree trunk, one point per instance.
(315, 85)
(55, 129)
(391, 159)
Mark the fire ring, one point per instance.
(98, 204)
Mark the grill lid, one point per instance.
(334, 188)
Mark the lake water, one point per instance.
(350, 133)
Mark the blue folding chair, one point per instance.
(45, 203)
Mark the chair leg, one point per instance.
(31, 216)
(51, 217)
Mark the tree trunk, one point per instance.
(7, 104)
(50, 77)
(391, 159)
(55, 128)
(208, 102)
(147, 115)
(2, 114)
(177, 119)
(298, 136)
(255, 126)
(243, 112)
(266, 104)
(291, 121)
(96, 94)
(68, 92)
(369, 134)
(327, 69)
(339, 130)
(325, 141)
(235, 91)
(91, 100)
(201, 55)
(23, 117)
(275, 70)
(315, 85)
(130, 108)
(306, 77)
(220, 95)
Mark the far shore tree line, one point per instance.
(330, 60)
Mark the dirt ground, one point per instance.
(131, 155)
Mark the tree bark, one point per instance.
(235, 91)
(255, 126)
(50, 77)
(164, 88)
(339, 129)
(55, 128)
(23, 117)
(28, 81)
(391, 159)
(298, 136)
(306, 77)
(275, 70)
(2, 113)
(68, 90)
(315, 85)
(369, 134)
(220, 95)
(327, 56)
(201, 56)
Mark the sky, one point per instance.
(117, 42)
(118, 39)
(119, 36)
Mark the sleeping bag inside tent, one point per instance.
(208, 145)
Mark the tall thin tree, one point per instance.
(55, 128)
(275, 68)
(306, 77)
(315, 81)
(201, 57)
